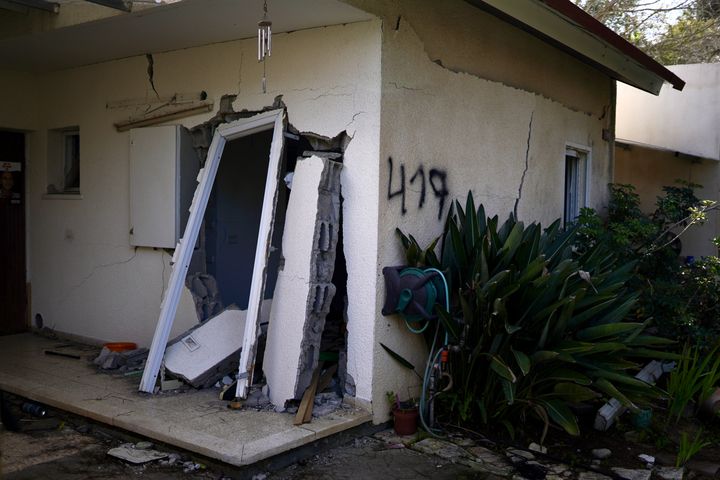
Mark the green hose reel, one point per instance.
(413, 293)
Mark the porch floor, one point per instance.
(195, 420)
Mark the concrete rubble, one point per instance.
(207, 352)
(205, 294)
(521, 464)
(121, 362)
(601, 453)
(670, 473)
(210, 351)
(632, 473)
(130, 453)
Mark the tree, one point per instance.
(671, 31)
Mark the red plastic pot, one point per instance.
(405, 420)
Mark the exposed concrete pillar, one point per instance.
(304, 289)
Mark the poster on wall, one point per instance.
(10, 183)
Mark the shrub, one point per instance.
(654, 241)
(534, 328)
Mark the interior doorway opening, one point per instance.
(13, 286)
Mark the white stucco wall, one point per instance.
(685, 121)
(475, 131)
(650, 169)
(87, 280)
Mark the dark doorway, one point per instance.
(13, 293)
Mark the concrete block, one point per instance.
(204, 354)
(304, 289)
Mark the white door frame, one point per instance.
(275, 120)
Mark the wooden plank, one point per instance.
(304, 412)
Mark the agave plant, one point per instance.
(534, 328)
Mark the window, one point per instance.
(576, 182)
(64, 161)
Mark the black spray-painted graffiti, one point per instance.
(436, 178)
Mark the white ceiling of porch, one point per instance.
(174, 26)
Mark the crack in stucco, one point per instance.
(352, 120)
(527, 164)
(458, 71)
(151, 72)
(98, 267)
(331, 95)
(403, 87)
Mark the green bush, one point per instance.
(671, 294)
(699, 308)
(534, 326)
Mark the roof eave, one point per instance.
(569, 28)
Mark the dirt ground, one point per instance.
(63, 447)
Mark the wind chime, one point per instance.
(264, 42)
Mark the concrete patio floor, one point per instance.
(195, 420)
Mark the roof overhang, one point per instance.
(568, 27)
(174, 26)
(624, 143)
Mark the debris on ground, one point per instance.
(601, 453)
(121, 362)
(326, 403)
(209, 351)
(130, 453)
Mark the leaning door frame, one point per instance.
(275, 120)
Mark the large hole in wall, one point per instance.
(221, 269)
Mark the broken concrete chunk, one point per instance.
(209, 351)
(122, 361)
(206, 295)
(136, 456)
(537, 448)
(632, 473)
(304, 289)
(326, 403)
(601, 453)
(670, 473)
(204, 354)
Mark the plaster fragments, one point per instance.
(206, 353)
(305, 283)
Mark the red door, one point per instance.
(13, 292)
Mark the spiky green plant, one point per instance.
(534, 328)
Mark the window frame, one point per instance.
(583, 156)
(65, 134)
(59, 163)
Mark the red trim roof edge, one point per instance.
(594, 26)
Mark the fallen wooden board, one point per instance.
(308, 399)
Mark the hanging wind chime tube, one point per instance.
(264, 42)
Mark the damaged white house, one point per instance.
(162, 175)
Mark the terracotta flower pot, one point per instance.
(405, 420)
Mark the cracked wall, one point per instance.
(329, 81)
(449, 130)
